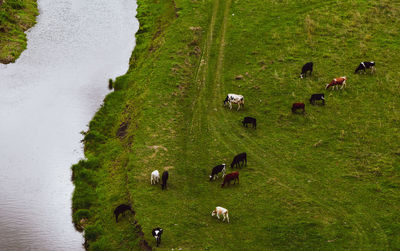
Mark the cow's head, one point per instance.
(226, 100)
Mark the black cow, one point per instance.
(366, 65)
(240, 158)
(307, 67)
(216, 170)
(121, 209)
(319, 96)
(164, 180)
(249, 120)
(157, 232)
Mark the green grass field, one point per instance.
(16, 16)
(328, 179)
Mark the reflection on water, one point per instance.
(46, 98)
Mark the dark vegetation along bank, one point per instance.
(16, 16)
(325, 179)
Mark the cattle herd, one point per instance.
(240, 160)
(336, 82)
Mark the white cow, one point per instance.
(155, 177)
(234, 98)
(221, 210)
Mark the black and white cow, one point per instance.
(307, 67)
(234, 98)
(216, 170)
(238, 159)
(315, 97)
(249, 120)
(164, 179)
(157, 232)
(366, 65)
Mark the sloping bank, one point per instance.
(16, 16)
(163, 59)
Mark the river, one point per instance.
(46, 99)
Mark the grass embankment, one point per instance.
(325, 180)
(16, 16)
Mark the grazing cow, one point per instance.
(157, 232)
(240, 158)
(231, 176)
(297, 106)
(315, 97)
(336, 82)
(121, 209)
(155, 177)
(164, 180)
(249, 120)
(234, 98)
(216, 170)
(366, 65)
(307, 67)
(221, 211)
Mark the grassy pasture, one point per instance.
(16, 16)
(328, 179)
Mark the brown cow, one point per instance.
(229, 177)
(336, 82)
(297, 106)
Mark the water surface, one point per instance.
(46, 99)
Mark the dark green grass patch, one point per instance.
(16, 16)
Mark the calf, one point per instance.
(297, 106)
(238, 159)
(221, 210)
(216, 170)
(164, 180)
(315, 97)
(336, 82)
(234, 98)
(249, 120)
(157, 232)
(231, 176)
(366, 65)
(121, 209)
(155, 177)
(307, 67)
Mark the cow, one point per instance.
(366, 65)
(238, 159)
(121, 209)
(157, 232)
(216, 170)
(336, 82)
(249, 120)
(164, 180)
(155, 177)
(221, 211)
(297, 106)
(231, 176)
(307, 67)
(234, 98)
(319, 96)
